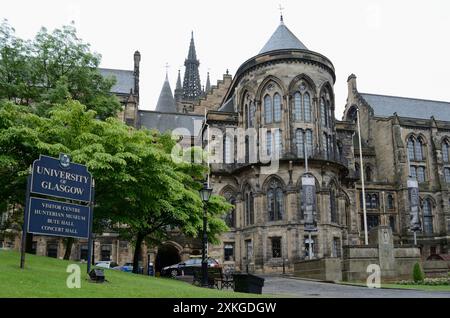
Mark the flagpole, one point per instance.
(366, 237)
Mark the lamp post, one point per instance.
(205, 194)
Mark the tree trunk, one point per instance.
(137, 252)
(69, 244)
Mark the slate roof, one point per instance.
(166, 102)
(282, 39)
(386, 106)
(169, 121)
(228, 106)
(124, 80)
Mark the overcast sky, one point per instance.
(394, 47)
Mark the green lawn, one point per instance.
(46, 277)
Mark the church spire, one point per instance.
(208, 84)
(191, 85)
(166, 103)
(178, 88)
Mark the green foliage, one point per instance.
(140, 191)
(418, 275)
(52, 68)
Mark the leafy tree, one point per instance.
(140, 191)
(51, 68)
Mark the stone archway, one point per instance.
(167, 254)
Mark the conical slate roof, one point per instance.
(282, 39)
(166, 102)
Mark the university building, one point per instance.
(282, 99)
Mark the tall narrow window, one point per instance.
(249, 212)
(323, 113)
(307, 107)
(447, 175)
(300, 143)
(277, 108)
(275, 200)
(427, 217)
(421, 174)
(368, 174)
(419, 149)
(309, 142)
(228, 145)
(325, 146)
(411, 148)
(278, 143)
(252, 115)
(445, 150)
(268, 109)
(269, 143)
(412, 172)
(390, 202)
(297, 107)
(333, 212)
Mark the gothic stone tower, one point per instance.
(288, 90)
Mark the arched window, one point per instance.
(368, 174)
(267, 109)
(249, 212)
(300, 143)
(278, 143)
(357, 170)
(228, 147)
(307, 107)
(323, 113)
(447, 175)
(390, 202)
(277, 108)
(275, 198)
(309, 142)
(333, 208)
(427, 217)
(252, 115)
(230, 217)
(411, 148)
(445, 151)
(297, 107)
(419, 149)
(269, 143)
(340, 151)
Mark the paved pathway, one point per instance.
(291, 287)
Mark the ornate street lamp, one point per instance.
(205, 194)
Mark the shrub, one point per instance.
(418, 275)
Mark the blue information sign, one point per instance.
(60, 178)
(49, 217)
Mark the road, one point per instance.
(291, 287)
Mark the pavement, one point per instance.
(294, 287)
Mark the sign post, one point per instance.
(53, 179)
(90, 249)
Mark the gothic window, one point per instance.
(307, 107)
(247, 114)
(411, 148)
(392, 224)
(427, 217)
(412, 172)
(419, 149)
(309, 142)
(278, 143)
(340, 151)
(299, 143)
(252, 115)
(228, 147)
(445, 151)
(276, 247)
(249, 209)
(421, 174)
(268, 109)
(333, 208)
(275, 198)
(390, 202)
(297, 107)
(277, 108)
(231, 215)
(323, 113)
(269, 143)
(447, 175)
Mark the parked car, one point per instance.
(106, 264)
(187, 267)
(127, 267)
